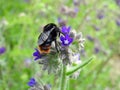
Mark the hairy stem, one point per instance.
(63, 78)
(68, 83)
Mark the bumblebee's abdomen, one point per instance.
(44, 49)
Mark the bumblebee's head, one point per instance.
(53, 27)
(49, 26)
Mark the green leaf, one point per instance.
(75, 68)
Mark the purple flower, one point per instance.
(47, 87)
(90, 38)
(100, 14)
(118, 22)
(2, 50)
(61, 22)
(37, 55)
(82, 52)
(76, 2)
(96, 50)
(65, 29)
(76, 10)
(66, 40)
(27, 62)
(118, 2)
(96, 28)
(32, 82)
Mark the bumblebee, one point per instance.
(49, 35)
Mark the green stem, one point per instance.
(68, 83)
(63, 78)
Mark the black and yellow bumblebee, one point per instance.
(49, 35)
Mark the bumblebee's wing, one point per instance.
(44, 36)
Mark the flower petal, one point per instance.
(2, 50)
(66, 40)
(62, 38)
(37, 55)
(32, 82)
(66, 30)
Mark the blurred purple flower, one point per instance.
(76, 2)
(37, 55)
(96, 50)
(28, 1)
(2, 50)
(61, 22)
(47, 87)
(118, 22)
(118, 2)
(100, 15)
(32, 82)
(76, 10)
(82, 52)
(27, 62)
(96, 27)
(90, 38)
(65, 29)
(66, 40)
(72, 12)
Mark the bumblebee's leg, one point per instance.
(56, 45)
(59, 34)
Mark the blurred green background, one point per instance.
(21, 22)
